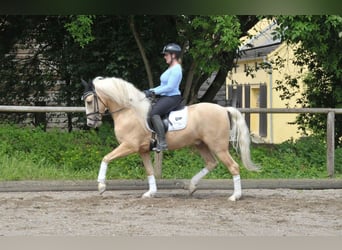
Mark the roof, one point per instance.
(260, 44)
(258, 52)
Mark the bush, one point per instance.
(78, 151)
(31, 153)
(338, 160)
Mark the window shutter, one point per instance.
(248, 104)
(263, 116)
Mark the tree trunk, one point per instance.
(215, 86)
(195, 88)
(189, 81)
(142, 52)
(227, 62)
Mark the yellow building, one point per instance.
(251, 84)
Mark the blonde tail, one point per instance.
(240, 135)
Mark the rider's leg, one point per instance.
(159, 128)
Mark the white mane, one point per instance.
(124, 94)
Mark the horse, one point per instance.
(208, 128)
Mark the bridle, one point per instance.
(97, 108)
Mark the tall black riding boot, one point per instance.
(159, 129)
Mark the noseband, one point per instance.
(96, 106)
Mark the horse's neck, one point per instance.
(113, 106)
(126, 115)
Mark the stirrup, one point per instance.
(159, 148)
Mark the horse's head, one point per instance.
(95, 108)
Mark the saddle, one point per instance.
(174, 120)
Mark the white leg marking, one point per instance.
(194, 181)
(102, 173)
(237, 188)
(101, 187)
(192, 188)
(101, 179)
(152, 187)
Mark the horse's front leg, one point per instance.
(121, 151)
(150, 175)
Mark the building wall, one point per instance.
(49, 120)
(279, 128)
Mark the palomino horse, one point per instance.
(207, 129)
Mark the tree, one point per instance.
(67, 48)
(80, 29)
(57, 56)
(318, 41)
(203, 38)
(206, 39)
(22, 76)
(210, 44)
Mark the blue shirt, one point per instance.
(170, 81)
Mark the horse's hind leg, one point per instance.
(210, 164)
(233, 168)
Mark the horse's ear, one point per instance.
(91, 84)
(84, 83)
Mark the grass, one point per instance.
(32, 154)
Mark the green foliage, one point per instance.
(80, 29)
(214, 35)
(338, 160)
(320, 44)
(63, 152)
(306, 156)
(32, 154)
(63, 49)
(181, 164)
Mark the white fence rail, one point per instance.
(39, 109)
(330, 121)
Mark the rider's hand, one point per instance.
(148, 93)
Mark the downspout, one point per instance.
(270, 72)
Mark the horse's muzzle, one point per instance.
(94, 124)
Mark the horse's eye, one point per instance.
(89, 102)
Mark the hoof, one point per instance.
(148, 194)
(234, 197)
(101, 187)
(192, 188)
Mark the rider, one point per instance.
(168, 90)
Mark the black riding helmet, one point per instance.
(172, 48)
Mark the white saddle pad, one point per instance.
(178, 119)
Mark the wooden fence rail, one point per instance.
(330, 127)
(329, 111)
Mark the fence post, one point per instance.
(158, 162)
(330, 143)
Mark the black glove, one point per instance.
(148, 93)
